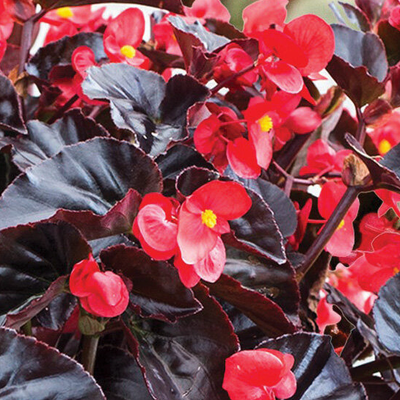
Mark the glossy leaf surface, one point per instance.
(32, 370)
(320, 373)
(187, 357)
(157, 291)
(142, 102)
(34, 256)
(74, 181)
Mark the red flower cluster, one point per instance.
(103, 294)
(121, 38)
(259, 374)
(191, 232)
(322, 158)
(270, 124)
(68, 21)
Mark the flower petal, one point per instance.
(212, 266)
(80, 275)
(228, 200)
(195, 239)
(285, 76)
(303, 120)
(242, 158)
(186, 272)
(261, 14)
(316, 39)
(158, 232)
(263, 144)
(282, 46)
(253, 367)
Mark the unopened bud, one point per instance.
(355, 172)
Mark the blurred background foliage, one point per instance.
(295, 9)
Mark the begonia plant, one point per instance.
(190, 211)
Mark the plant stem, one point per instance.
(27, 328)
(367, 370)
(327, 231)
(90, 344)
(361, 132)
(26, 39)
(233, 77)
(60, 112)
(289, 152)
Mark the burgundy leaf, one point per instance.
(187, 357)
(157, 291)
(260, 309)
(32, 370)
(91, 175)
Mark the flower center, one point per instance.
(341, 225)
(265, 123)
(396, 271)
(384, 146)
(208, 218)
(128, 51)
(65, 12)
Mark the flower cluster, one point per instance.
(191, 232)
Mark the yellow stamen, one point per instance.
(128, 51)
(208, 218)
(65, 12)
(341, 225)
(266, 123)
(384, 146)
(396, 271)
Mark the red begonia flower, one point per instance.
(376, 266)
(387, 135)
(82, 58)
(79, 16)
(68, 21)
(6, 21)
(58, 32)
(280, 116)
(346, 281)
(260, 15)
(371, 226)
(322, 158)
(165, 38)
(241, 155)
(213, 134)
(342, 241)
(103, 294)
(370, 277)
(303, 120)
(259, 374)
(208, 9)
(315, 38)
(122, 37)
(204, 216)
(302, 221)
(280, 59)
(305, 46)
(209, 268)
(156, 226)
(325, 314)
(232, 59)
(391, 200)
(394, 18)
